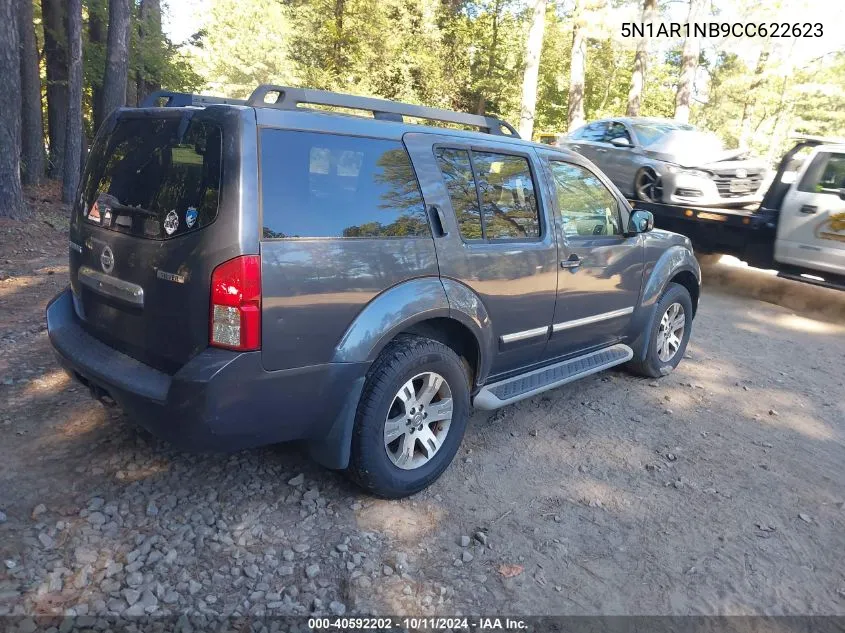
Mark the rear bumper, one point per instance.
(219, 400)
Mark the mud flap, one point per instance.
(334, 450)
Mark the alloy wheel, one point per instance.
(670, 332)
(649, 186)
(418, 420)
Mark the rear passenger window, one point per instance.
(457, 174)
(326, 185)
(508, 203)
(492, 194)
(593, 132)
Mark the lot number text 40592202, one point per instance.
(418, 624)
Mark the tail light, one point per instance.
(236, 304)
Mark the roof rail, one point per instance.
(287, 98)
(168, 99)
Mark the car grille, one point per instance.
(724, 179)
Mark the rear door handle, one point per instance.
(602, 150)
(809, 209)
(573, 262)
(437, 220)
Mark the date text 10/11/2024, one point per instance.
(721, 29)
(421, 623)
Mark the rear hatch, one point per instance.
(148, 229)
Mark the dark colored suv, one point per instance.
(244, 273)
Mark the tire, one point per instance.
(653, 365)
(414, 360)
(644, 191)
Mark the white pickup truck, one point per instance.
(811, 224)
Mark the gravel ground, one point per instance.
(717, 490)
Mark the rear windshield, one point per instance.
(156, 178)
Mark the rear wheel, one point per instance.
(670, 332)
(411, 417)
(648, 186)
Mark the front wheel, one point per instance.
(670, 332)
(411, 417)
(648, 186)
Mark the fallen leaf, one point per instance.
(509, 571)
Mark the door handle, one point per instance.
(573, 262)
(809, 209)
(601, 150)
(437, 221)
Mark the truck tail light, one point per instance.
(236, 304)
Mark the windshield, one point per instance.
(649, 132)
(153, 177)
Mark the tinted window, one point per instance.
(593, 131)
(585, 205)
(154, 178)
(457, 174)
(324, 185)
(616, 130)
(508, 203)
(826, 174)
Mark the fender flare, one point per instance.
(388, 314)
(391, 312)
(674, 260)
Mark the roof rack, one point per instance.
(287, 98)
(168, 99)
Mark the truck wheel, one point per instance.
(670, 332)
(648, 186)
(411, 417)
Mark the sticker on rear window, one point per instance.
(171, 223)
(190, 217)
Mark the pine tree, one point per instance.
(73, 137)
(11, 195)
(117, 57)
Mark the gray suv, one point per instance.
(251, 272)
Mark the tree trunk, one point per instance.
(32, 130)
(11, 195)
(73, 137)
(96, 38)
(117, 57)
(55, 57)
(635, 94)
(481, 107)
(689, 65)
(149, 38)
(577, 70)
(533, 48)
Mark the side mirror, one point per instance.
(620, 141)
(842, 193)
(641, 222)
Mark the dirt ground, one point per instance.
(719, 489)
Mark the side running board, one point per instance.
(510, 390)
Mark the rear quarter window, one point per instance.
(333, 186)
